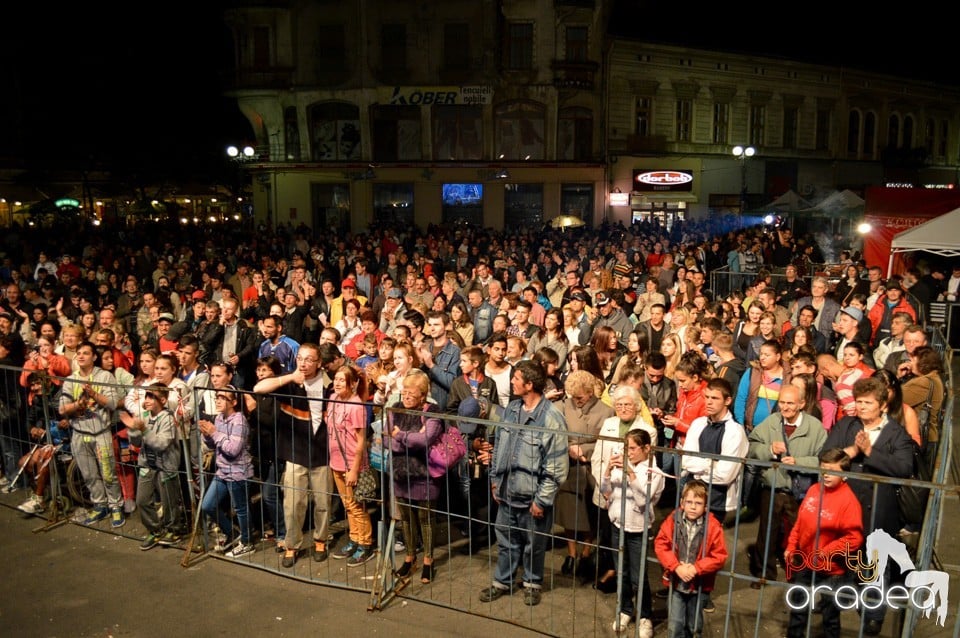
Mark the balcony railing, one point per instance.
(273, 77)
(577, 74)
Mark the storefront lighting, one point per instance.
(619, 198)
(864, 228)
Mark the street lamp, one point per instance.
(742, 153)
(241, 157)
(235, 153)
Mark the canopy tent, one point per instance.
(788, 203)
(938, 235)
(893, 211)
(844, 202)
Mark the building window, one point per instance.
(331, 45)
(518, 50)
(261, 47)
(575, 134)
(334, 131)
(578, 49)
(393, 48)
(577, 200)
(930, 133)
(908, 131)
(456, 47)
(684, 119)
(853, 133)
(644, 116)
(393, 205)
(824, 117)
(758, 124)
(893, 131)
(462, 203)
(942, 139)
(457, 132)
(523, 205)
(721, 122)
(519, 130)
(869, 135)
(791, 117)
(331, 207)
(396, 133)
(291, 134)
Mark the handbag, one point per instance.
(366, 488)
(446, 451)
(800, 481)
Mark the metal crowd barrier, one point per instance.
(570, 606)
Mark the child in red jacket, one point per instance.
(691, 548)
(830, 523)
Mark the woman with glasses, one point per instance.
(228, 435)
(412, 434)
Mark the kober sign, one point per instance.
(662, 180)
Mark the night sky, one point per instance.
(139, 85)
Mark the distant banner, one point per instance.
(430, 95)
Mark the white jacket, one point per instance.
(733, 444)
(629, 498)
(604, 449)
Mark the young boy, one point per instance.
(472, 383)
(370, 350)
(156, 434)
(40, 410)
(691, 548)
(829, 520)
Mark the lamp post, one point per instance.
(742, 153)
(241, 156)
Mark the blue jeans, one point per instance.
(685, 614)
(632, 565)
(213, 499)
(270, 492)
(521, 536)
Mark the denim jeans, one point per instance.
(632, 566)
(212, 506)
(521, 537)
(685, 615)
(270, 493)
(826, 605)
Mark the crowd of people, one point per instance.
(270, 357)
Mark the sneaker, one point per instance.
(117, 519)
(241, 549)
(96, 516)
(10, 488)
(32, 505)
(620, 625)
(491, 593)
(169, 538)
(531, 596)
(320, 552)
(4, 482)
(151, 541)
(361, 555)
(346, 551)
(709, 607)
(645, 628)
(399, 546)
(290, 557)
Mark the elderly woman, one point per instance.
(927, 367)
(576, 508)
(627, 404)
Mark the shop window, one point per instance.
(575, 134)
(396, 133)
(577, 200)
(331, 207)
(393, 205)
(457, 132)
(523, 205)
(291, 134)
(519, 130)
(334, 131)
(462, 204)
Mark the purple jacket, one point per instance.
(411, 479)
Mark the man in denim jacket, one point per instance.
(528, 466)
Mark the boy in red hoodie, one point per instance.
(691, 548)
(829, 523)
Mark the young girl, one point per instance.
(228, 435)
(632, 487)
(347, 441)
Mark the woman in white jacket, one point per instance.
(631, 485)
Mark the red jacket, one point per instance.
(838, 522)
(353, 349)
(711, 555)
(876, 313)
(690, 406)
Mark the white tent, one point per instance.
(940, 235)
(838, 202)
(789, 202)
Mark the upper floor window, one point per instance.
(791, 121)
(518, 49)
(644, 116)
(721, 122)
(824, 117)
(942, 139)
(456, 46)
(758, 124)
(577, 44)
(684, 119)
(853, 133)
(893, 131)
(396, 133)
(331, 45)
(291, 134)
(869, 135)
(261, 47)
(929, 134)
(457, 132)
(393, 47)
(575, 134)
(519, 130)
(908, 130)
(334, 131)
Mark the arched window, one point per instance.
(334, 131)
(869, 134)
(929, 135)
(853, 133)
(291, 134)
(893, 131)
(907, 132)
(518, 130)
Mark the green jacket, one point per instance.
(804, 445)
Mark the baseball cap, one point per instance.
(6, 315)
(622, 270)
(348, 283)
(198, 295)
(602, 299)
(856, 313)
(580, 296)
(394, 293)
(893, 284)
(166, 316)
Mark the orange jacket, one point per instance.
(876, 313)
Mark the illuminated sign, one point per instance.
(67, 203)
(619, 199)
(662, 180)
(430, 95)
